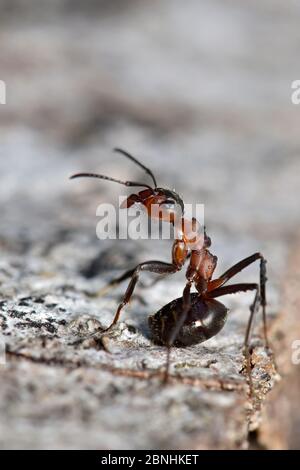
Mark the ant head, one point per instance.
(167, 198)
(170, 199)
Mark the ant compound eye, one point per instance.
(168, 204)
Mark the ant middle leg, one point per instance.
(235, 269)
(158, 267)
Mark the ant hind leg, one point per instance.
(247, 352)
(231, 272)
(232, 289)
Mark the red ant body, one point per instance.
(194, 317)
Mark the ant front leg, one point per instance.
(126, 275)
(115, 282)
(174, 333)
(158, 267)
(163, 276)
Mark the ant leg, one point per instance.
(263, 301)
(235, 269)
(253, 308)
(163, 276)
(174, 333)
(114, 282)
(126, 275)
(232, 289)
(216, 283)
(158, 267)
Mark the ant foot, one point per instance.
(109, 328)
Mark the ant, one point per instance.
(194, 317)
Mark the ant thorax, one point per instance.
(190, 232)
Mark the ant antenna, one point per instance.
(133, 159)
(108, 178)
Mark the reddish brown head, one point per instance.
(159, 202)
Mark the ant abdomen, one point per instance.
(205, 319)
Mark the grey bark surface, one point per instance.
(211, 114)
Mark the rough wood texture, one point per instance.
(66, 384)
(281, 424)
(200, 94)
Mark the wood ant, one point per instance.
(194, 317)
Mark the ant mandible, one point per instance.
(194, 317)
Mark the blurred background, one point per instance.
(199, 91)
